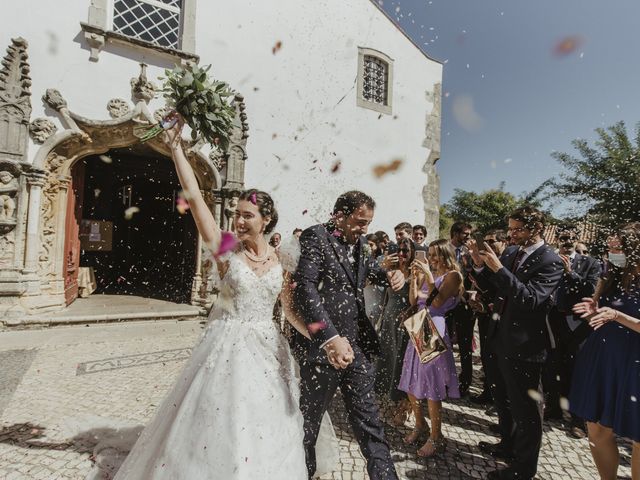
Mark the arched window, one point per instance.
(375, 75)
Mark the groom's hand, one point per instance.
(396, 280)
(339, 352)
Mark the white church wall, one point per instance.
(301, 101)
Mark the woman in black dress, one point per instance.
(606, 384)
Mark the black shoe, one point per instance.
(496, 450)
(506, 474)
(577, 432)
(481, 399)
(491, 411)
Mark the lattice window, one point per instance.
(375, 85)
(155, 21)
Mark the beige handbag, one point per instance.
(425, 336)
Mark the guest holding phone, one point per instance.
(394, 338)
(436, 380)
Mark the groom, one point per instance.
(329, 283)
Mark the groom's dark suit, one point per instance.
(329, 291)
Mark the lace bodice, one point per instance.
(246, 296)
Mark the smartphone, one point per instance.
(421, 255)
(480, 242)
(392, 248)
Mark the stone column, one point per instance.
(36, 179)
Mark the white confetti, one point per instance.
(106, 158)
(564, 403)
(129, 212)
(535, 395)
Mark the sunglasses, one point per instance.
(404, 250)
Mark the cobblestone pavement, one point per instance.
(51, 381)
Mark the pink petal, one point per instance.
(315, 327)
(228, 242)
(253, 198)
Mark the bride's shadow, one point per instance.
(106, 447)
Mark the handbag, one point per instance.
(423, 333)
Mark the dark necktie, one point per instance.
(517, 260)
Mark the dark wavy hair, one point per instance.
(627, 277)
(265, 205)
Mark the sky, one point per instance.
(522, 79)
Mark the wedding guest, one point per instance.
(606, 382)
(462, 320)
(582, 249)
(275, 240)
(481, 304)
(297, 232)
(579, 280)
(383, 240)
(524, 278)
(403, 230)
(394, 339)
(419, 235)
(441, 281)
(372, 241)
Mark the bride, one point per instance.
(233, 412)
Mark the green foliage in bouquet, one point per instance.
(203, 103)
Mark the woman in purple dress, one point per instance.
(437, 380)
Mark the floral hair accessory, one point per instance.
(253, 198)
(337, 233)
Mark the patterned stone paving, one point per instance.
(48, 394)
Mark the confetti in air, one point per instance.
(228, 242)
(336, 166)
(315, 327)
(564, 403)
(182, 205)
(535, 395)
(130, 212)
(567, 46)
(106, 159)
(382, 170)
(276, 48)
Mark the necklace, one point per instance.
(255, 258)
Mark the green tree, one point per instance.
(488, 209)
(605, 181)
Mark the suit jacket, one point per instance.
(330, 292)
(522, 301)
(580, 282)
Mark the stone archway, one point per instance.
(220, 176)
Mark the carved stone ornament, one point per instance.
(15, 101)
(41, 129)
(54, 99)
(141, 88)
(160, 113)
(8, 191)
(118, 107)
(218, 159)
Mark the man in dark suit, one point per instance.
(461, 318)
(328, 293)
(579, 280)
(524, 279)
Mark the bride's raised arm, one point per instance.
(205, 221)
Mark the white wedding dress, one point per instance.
(233, 412)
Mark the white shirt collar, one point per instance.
(573, 255)
(532, 248)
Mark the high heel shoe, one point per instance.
(433, 447)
